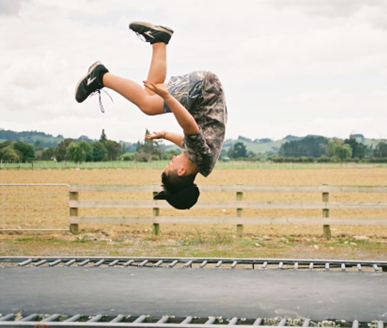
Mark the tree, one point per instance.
(87, 149)
(358, 149)
(48, 154)
(338, 149)
(76, 153)
(113, 148)
(310, 146)
(61, 153)
(10, 155)
(381, 150)
(99, 151)
(38, 144)
(238, 150)
(148, 148)
(103, 137)
(25, 151)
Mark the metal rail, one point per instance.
(100, 320)
(183, 262)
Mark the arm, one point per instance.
(176, 138)
(183, 116)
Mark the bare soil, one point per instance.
(347, 242)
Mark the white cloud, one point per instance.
(285, 64)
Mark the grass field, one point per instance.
(161, 164)
(348, 242)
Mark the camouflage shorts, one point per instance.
(201, 93)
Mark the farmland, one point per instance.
(361, 242)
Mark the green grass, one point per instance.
(162, 164)
(215, 243)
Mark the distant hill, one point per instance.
(258, 146)
(31, 137)
(269, 146)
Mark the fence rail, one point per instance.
(239, 205)
(48, 207)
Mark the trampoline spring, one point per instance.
(355, 324)
(210, 321)
(163, 319)
(56, 262)
(73, 318)
(234, 264)
(7, 317)
(264, 265)
(70, 262)
(359, 267)
(25, 262)
(218, 264)
(188, 264)
(83, 263)
(158, 263)
(204, 263)
(128, 263)
(96, 264)
(311, 266)
(233, 321)
(51, 318)
(113, 263)
(257, 322)
(140, 319)
(96, 318)
(282, 322)
(295, 265)
(376, 268)
(343, 267)
(31, 317)
(143, 263)
(281, 265)
(118, 318)
(186, 321)
(306, 323)
(173, 263)
(40, 263)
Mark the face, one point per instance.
(177, 164)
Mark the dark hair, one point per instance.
(173, 183)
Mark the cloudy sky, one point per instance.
(288, 66)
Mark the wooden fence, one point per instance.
(239, 205)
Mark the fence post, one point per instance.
(74, 227)
(326, 227)
(239, 197)
(156, 212)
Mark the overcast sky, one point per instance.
(288, 67)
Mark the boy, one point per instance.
(197, 101)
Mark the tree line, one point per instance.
(84, 151)
(317, 148)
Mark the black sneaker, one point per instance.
(91, 82)
(151, 33)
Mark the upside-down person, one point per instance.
(196, 100)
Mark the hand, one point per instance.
(157, 89)
(156, 135)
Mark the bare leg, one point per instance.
(145, 99)
(158, 67)
(149, 104)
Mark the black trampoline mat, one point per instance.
(317, 295)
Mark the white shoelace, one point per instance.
(102, 109)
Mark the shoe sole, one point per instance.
(83, 77)
(154, 27)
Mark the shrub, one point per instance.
(127, 157)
